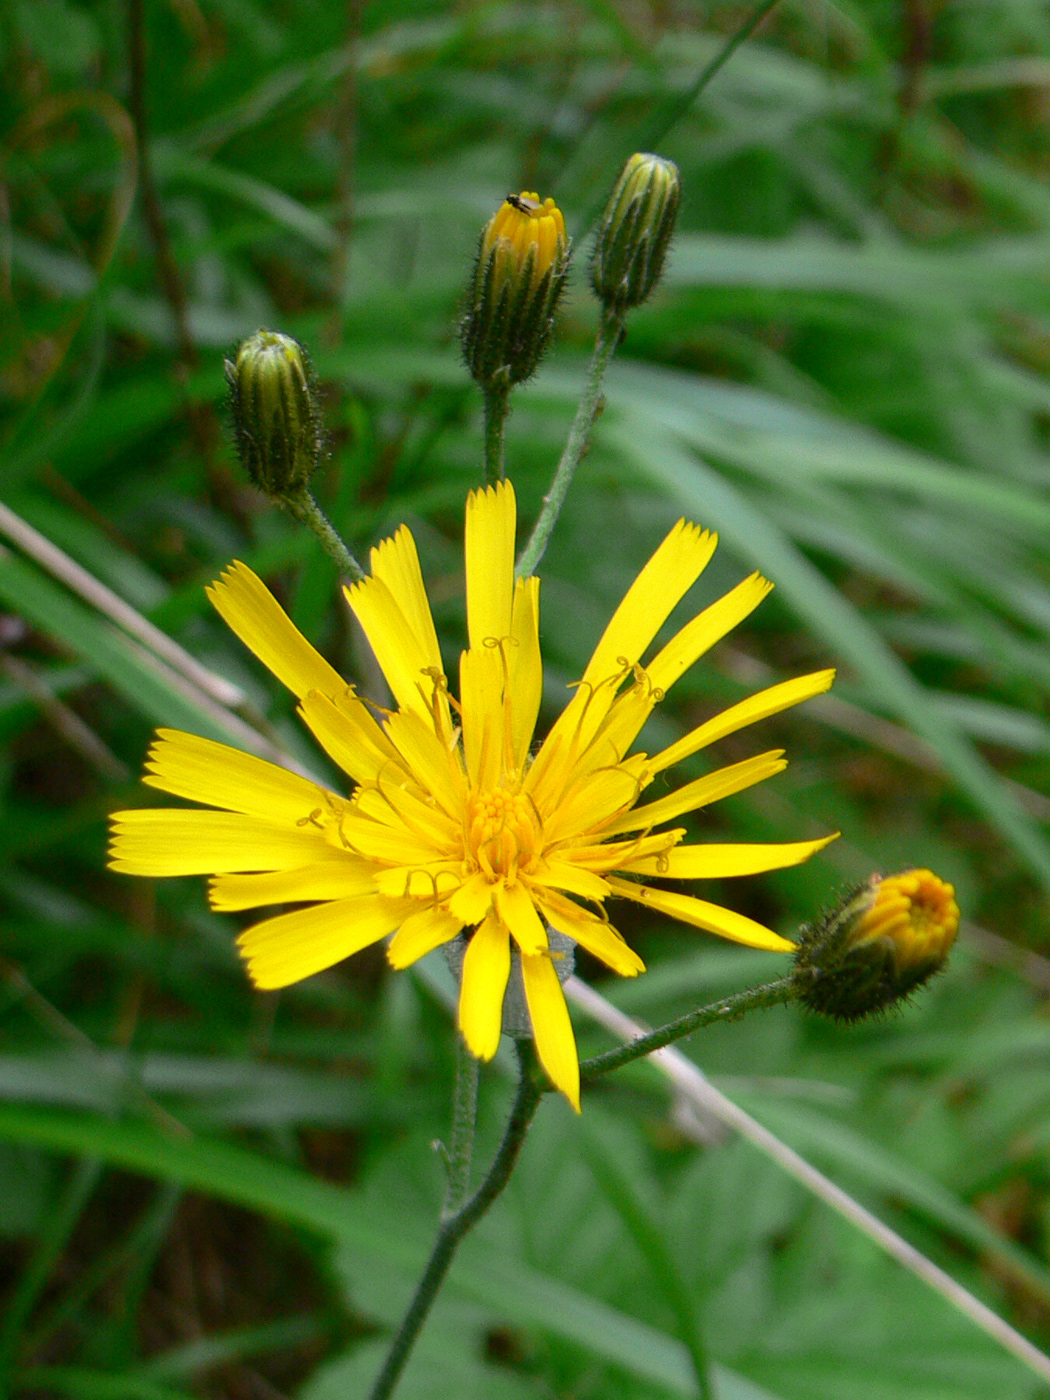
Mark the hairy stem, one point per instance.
(306, 510)
(729, 1009)
(578, 441)
(464, 1116)
(454, 1227)
(497, 406)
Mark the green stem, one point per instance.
(729, 1009)
(464, 1116)
(579, 437)
(497, 406)
(309, 513)
(454, 1227)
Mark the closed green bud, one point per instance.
(878, 946)
(635, 231)
(275, 416)
(519, 275)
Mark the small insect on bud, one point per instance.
(883, 943)
(519, 275)
(275, 417)
(635, 231)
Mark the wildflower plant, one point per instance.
(454, 827)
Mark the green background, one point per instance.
(846, 372)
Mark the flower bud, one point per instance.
(879, 946)
(635, 231)
(275, 418)
(519, 274)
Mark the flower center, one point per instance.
(503, 832)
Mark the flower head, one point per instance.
(880, 945)
(452, 822)
(527, 234)
(518, 277)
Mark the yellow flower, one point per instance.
(914, 915)
(452, 822)
(524, 224)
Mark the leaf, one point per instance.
(711, 499)
(524, 1296)
(132, 671)
(83, 1384)
(845, 1151)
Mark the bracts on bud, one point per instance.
(635, 231)
(276, 421)
(878, 946)
(518, 278)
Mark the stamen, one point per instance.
(347, 843)
(439, 687)
(429, 877)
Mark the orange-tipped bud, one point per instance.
(885, 941)
(518, 277)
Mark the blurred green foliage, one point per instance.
(846, 371)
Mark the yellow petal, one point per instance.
(396, 806)
(515, 907)
(432, 881)
(436, 768)
(755, 707)
(332, 879)
(611, 855)
(606, 740)
(402, 657)
(489, 560)
(551, 1027)
(481, 677)
(710, 788)
(346, 731)
(155, 841)
(218, 776)
(292, 946)
(672, 570)
(486, 967)
(396, 563)
(392, 845)
(251, 611)
(567, 875)
(567, 747)
(716, 862)
(669, 574)
(589, 803)
(705, 630)
(526, 667)
(711, 917)
(420, 934)
(554, 765)
(621, 726)
(473, 900)
(596, 935)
